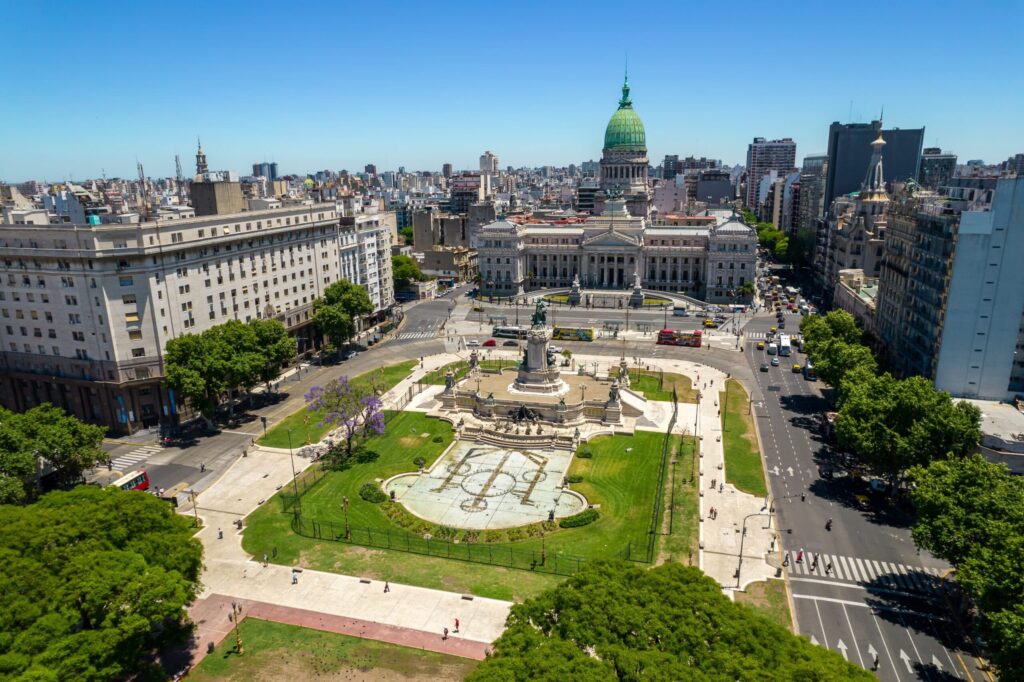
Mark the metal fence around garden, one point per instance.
(659, 498)
(538, 560)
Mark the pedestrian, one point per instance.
(803, 497)
(721, 487)
(220, 534)
(202, 466)
(828, 568)
(800, 556)
(456, 625)
(265, 557)
(387, 587)
(445, 634)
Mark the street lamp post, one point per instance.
(344, 508)
(743, 537)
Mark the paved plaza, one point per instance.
(482, 486)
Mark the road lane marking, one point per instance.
(821, 623)
(850, 568)
(912, 642)
(856, 646)
(885, 646)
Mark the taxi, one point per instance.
(760, 345)
(797, 369)
(773, 330)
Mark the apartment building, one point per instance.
(764, 156)
(951, 292)
(86, 310)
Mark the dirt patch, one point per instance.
(411, 441)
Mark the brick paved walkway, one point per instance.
(211, 616)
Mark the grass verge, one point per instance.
(460, 368)
(278, 652)
(742, 457)
(680, 528)
(310, 430)
(768, 597)
(621, 477)
(659, 385)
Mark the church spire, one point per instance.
(201, 166)
(873, 187)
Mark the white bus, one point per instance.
(784, 345)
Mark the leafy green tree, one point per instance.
(837, 324)
(614, 621)
(746, 289)
(407, 234)
(834, 358)
(44, 434)
(892, 425)
(971, 513)
(336, 313)
(355, 408)
(276, 346)
(405, 270)
(92, 583)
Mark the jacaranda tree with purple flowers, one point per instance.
(352, 407)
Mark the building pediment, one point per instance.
(611, 238)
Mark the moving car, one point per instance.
(472, 342)
(490, 343)
(510, 342)
(775, 362)
(760, 345)
(773, 330)
(764, 366)
(555, 349)
(797, 369)
(351, 354)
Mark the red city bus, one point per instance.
(133, 480)
(669, 337)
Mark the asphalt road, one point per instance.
(861, 589)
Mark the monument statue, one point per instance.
(613, 393)
(449, 381)
(540, 316)
(575, 297)
(636, 299)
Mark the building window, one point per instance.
(138, 352)
(124, 280)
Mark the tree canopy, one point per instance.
(92, 582)
(67, 446)
(336, 313)
(971, 513)
(354, 407)
(204, 367)
(405, 270)
(614, 621)
(892, 425)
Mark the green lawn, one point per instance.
(768, 597)
(680, 541)
(460, 368)
(742, 458)
(279, 652)
(383, 379)
(622, 483)
(658, 386)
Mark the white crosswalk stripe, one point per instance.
(131, 459)
(889, 575)
(416, 335)
(756, 336)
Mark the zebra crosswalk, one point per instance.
(132, 459)
(886, 574)
(415, 335)
(756, 336)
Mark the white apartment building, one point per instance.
(86, 310)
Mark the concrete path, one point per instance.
(410, 614)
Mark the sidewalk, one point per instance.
(405, 614)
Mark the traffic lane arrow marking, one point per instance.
(906, 661)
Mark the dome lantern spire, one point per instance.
(625, 102)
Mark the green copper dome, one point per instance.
(625, 129)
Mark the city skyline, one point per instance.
(349, 95)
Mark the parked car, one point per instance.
(350, 354)
(490, 343)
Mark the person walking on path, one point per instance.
(456, 625)
(387, 587)
(445, 637)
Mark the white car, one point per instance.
(473, 342)
(351, 354)
(555, 349)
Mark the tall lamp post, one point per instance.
(344, 508)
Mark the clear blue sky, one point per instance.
(93, 86)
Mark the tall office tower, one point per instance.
(670, 167)
(446, 170)
(937, 168)
(849, 151)
(951, 292)
(265, 169)
(370, 169)
(812, 188)
(489, 163)
(764, 156)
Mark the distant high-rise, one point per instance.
(489, 163)
(937, 168)
(764, 156)
(670, 167)
(849, 152)
(265, 169)
(446, 170)
(370, 169)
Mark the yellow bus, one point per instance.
(573, 333)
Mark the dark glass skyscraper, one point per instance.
(849, 151)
